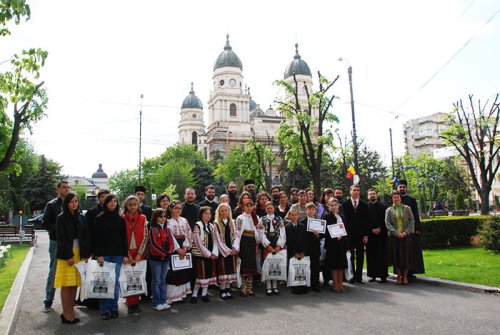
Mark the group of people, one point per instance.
(228, 239)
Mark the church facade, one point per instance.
(233, 117)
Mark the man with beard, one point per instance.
(407, 200)
(294, 195)
(209, 200)
(250, 188)
(356, 215)
(232, 192)
(189, 208)
(376, 248)
(338, 194)
(140, 193)
(275, 195)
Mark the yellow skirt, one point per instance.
(67, 275)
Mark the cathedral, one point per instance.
(233, 117)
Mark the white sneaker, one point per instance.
(159, 308)
(166, 306)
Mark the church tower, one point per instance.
(228, 105)
(304, 79)
(191, 125)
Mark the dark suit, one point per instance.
(147, 211)
(357, 220)
(314, 252)
(296, 242)
(418, 258)
(376, 249)
(213, 206)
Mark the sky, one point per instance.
(409, 59)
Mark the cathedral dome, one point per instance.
(228, 57)
(99, 173)
(192, 101)
(297, 66)
(252, 105)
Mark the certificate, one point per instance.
(181, 264)
(316, 225)
(337, 230)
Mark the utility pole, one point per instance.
(140, 141)
(354, 137)
(392, 152)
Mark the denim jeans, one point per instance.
(50, 291)
(111, 305)
(158, 281)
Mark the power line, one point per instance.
(449, 61)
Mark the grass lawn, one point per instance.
(9, 271)
(470, 265)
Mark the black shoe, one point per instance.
(269, 292)
(194, 300)
(372, 280)
(106, 316)
(132, 309)
(360, 281)
(383, 280)
(316, 289)
(204, 298)
(276, 291)
(114, 314)
(351, 281)
(228, 294)
(69, 322)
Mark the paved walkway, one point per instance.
(376, 308)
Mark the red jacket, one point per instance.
(136, 227)
(161, 243)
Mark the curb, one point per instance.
(11, 307)
(459, 285)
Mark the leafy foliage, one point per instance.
(489, 232)
(40, 187)
(122, 183)
(453, 231)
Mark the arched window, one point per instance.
(194, 138)
(232, 109)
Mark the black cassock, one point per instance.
(296, 242)
(376, 249)
(418, 258)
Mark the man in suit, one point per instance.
(140, 193)
(210, 200)
(416, 236)
(357, 221)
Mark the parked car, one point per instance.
(36, 221)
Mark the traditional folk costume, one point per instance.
(246, 224)
(178, 285)
(227, 237)
(204, 246)
(137, 240)
(271, 234)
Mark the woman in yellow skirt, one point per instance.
(72, 244)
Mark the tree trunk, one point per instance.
(485, 202)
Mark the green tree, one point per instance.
(304, 135)
(20, 88)
(122, 183)
(473, 132)
(41, 186)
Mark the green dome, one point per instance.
(297, 66)
(228, 57)
(192, 101)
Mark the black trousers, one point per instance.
(357, 258)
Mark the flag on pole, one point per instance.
(351, 172)
(395, 180)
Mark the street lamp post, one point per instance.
(140, 140)
(354, 136)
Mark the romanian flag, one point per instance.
(351, 172)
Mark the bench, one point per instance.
(10, 233)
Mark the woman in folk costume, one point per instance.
(227, 239)
(178, 282)
(272, 237)
(205, 253)
(400, 225)
(137, 240)
(246, 223)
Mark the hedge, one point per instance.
(450, 231)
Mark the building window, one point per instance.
(194, 116)
(194, 138)
(232, 110)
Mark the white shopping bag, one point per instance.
(133, 279)
(100, 281)
(349, 274)
(299, 272)
(82, 268)
(274, 267)
(238, 275)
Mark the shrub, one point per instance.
(451, 231)
(489, 232)
(459, 201)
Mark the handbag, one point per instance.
(133, 279)
(100, 280)
(299, 272)
(274, 267)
